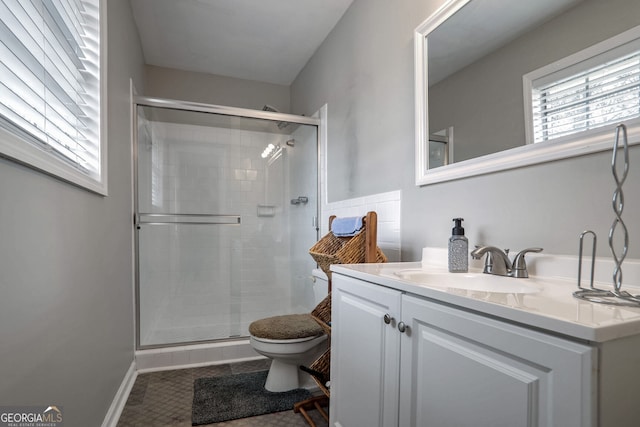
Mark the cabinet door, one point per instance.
(462, 369)
(365, 354)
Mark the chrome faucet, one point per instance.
(497, 261)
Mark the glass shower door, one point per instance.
(187, 263)
(213, 225)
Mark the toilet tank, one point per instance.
(320, 285)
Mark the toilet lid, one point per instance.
(289, 326)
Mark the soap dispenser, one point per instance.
(458, 249)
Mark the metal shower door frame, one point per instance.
(144, 101)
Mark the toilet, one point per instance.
(290, 341)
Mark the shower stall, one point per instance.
(226, 208)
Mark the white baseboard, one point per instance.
(120, 399)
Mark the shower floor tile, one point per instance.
(164, 398)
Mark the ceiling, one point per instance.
(263, 40)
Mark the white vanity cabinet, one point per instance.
(462, 369)
(449, 367)
(365, 354)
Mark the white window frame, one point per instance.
(584, 60)
(14, 147)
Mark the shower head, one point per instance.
(272, 109)
(291, 142)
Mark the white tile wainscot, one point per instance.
(386, 205)
(429, 355)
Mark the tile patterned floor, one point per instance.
(164, 399)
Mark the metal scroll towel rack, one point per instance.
(616, 296)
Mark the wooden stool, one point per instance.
(314, 403)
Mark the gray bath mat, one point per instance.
(231, 397)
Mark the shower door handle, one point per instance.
(186, 219)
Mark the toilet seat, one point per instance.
(279, 349)
(288, 341)
(287, 327)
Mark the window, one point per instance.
(50, 103)
(597, 87)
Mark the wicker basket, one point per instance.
(341, 250)
(323, 364)
(322, 314)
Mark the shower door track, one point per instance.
(223, 110)
(145, 101)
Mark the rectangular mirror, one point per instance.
(476, 66)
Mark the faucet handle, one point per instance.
(520, 265)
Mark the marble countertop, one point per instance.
(552, 308)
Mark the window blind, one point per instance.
(50, 78)
(599, 96)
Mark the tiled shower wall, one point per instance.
(201, 282)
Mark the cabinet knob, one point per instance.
(387, 318)
(402, 327)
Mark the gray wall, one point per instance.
(66, 312)
(484, 101)
(213, 89)
(364, 72)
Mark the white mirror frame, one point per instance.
(525, 155)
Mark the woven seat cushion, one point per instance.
(287, 327)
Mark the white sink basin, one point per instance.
(468, 281)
